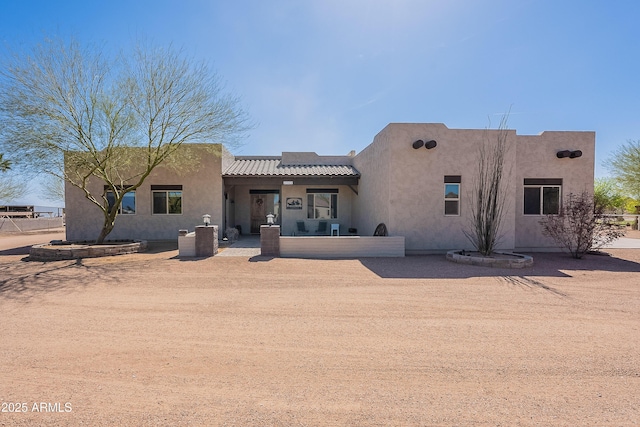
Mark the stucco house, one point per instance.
(414, 177)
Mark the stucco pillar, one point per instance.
(206, 240)
(270, 240)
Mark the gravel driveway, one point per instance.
(152, 340)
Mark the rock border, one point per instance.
(520, 260)
(56, 250)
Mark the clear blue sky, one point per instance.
(327, 75)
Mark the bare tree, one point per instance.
(581, 225)
(5, 164)
(488, 201)
(52, 189)
(73, 113)
(10, 187)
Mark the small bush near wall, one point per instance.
(581, 226)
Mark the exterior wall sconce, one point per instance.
(270, 218)
(570, 154)
(206, 218)
(428, 145)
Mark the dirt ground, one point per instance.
(152, 340)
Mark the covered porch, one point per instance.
(308, 195)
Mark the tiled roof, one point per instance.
(271, 166)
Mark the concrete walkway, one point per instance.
(246, 246)
(625, 243)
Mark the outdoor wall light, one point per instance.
(419, 143)
(206, 218)
(270, 218)
(570, 154)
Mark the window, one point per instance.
(322, 203)
(167, 199)
(542, 196)
(128, 205)
(452, 195)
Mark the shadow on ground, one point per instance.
(23, 250)
(22, 280)
(545, 265)
(157, 247)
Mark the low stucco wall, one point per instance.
(187, 245)
(341, 247)
(27, 224)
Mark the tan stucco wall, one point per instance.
(290, 158)
(416, 184)
(536, 158)
(371, 205)
(201, 193)
(399, 186)
(404, 187)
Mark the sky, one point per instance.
(328, 75)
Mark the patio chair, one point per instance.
(301, 227)
(322, 227)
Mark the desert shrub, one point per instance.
(580, 226)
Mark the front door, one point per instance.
(258, 212)
(264, 202)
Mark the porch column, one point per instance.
(206, 240)
(270, 240)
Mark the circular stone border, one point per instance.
(511, 260)
(56, 250)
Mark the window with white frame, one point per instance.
(542, 196)
(322, 203)
(166, 199)
(452, 195)
(128, 205)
